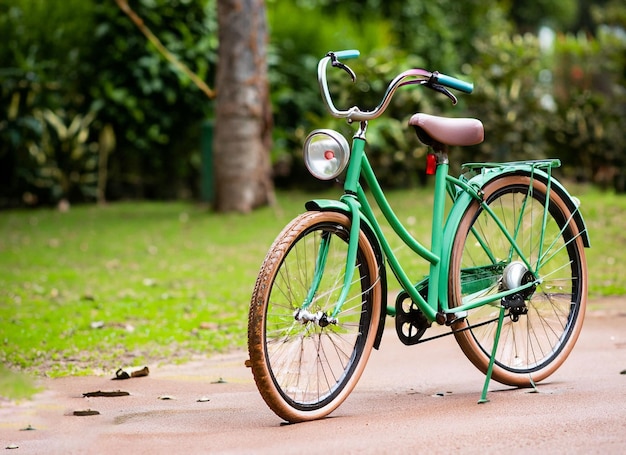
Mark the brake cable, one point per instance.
(337, 64)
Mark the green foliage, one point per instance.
(586, 132)
(156, 112)
(75, 59)
(507, 97)
(564, 100)
(66, 159)
(43, 39)
(41, 68)
(611, 13)
(559, 15)
(436, 31)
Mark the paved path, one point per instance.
(410, 400)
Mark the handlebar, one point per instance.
(434, 80)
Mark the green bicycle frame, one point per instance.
(355, 203)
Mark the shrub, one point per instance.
(44, 59)
(586, 132)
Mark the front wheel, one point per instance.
(305, 369)
(547, 318)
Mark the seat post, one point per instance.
(439, 202)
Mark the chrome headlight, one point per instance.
(326, 154)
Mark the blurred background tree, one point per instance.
(243, 120)
(81, 90)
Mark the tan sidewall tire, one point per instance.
(465, 339)
(257, 314)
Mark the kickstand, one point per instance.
(483, 397)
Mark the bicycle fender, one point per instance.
(465, 199)
(527, 169)
(331, 205)
(449, 231)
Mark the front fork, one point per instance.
(351, 184)
(303, 314)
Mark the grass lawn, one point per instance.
(98, 288)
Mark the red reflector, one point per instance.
(431, 164)
(329, 154)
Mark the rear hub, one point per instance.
(516, 275)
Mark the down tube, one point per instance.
(429, 310)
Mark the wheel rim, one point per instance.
(539, 336)
(310, 365)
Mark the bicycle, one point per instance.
(507, 270)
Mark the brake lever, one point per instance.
(441, 89)
(337, 64)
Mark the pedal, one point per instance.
(411, 323)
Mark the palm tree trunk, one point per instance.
(243, 120)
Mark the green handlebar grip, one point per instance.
(455, 83)
(351, 53)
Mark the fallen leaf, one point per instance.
(140, 373)
(121, 374)
(107, 393)
(86, 412)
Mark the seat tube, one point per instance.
(439, 201)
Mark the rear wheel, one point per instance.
(546, 319)
(304, 370)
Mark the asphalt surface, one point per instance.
(410, 400)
